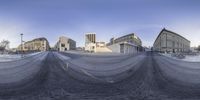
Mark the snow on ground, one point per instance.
(97, 54)
(192, 58)
(106, 63)
(188, 58)
(65, 58)
(102, 67)
(103, 62)
(12, 57)
(14, 71)
(184, 71)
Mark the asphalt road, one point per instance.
(148, 82)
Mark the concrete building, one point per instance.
(194, 49)
(65, 44)
(90, 42)
(101, 47)
(126, 44)
(168, 41)
(38, 44)
(100, 44)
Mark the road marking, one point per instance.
(66, 66)
(92, 76)
(89, 74)
(110, 81)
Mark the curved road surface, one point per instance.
(149, 82)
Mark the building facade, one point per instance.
(100, 44)
(65, 44)
(126, 44)
(38, 44)
(168, 41)
(101, 47)
(90, 42)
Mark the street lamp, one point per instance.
(21, 44)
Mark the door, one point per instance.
(121, 48)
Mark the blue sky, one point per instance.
(107, 18)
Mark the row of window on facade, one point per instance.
(168, 41)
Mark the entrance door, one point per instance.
(121, 48)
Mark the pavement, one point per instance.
(147, 76)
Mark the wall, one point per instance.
(114, 48)
(171, 42)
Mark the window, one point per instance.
(62, 45)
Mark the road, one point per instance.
(152, 79)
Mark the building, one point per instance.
(80, 48)
(194, 49)
(100, 44)
(65, 44)
(101, 47)
(126, 44)
(168, 41)
(38, 44)
(90, 42)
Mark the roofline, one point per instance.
(169, 32)
(90, 33)
(127, 35)
(41, 38)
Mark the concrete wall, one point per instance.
(65, 44)
(114, 48)
(130, 49)
(91, 47)
(124, 48)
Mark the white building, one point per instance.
(126, 44)
(193, 49)
(38, 44)
(65, 44)
(90, 42)
(101, 47)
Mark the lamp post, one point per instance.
(21, 44)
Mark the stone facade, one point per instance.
(65, 44)
(38, 44)
(168, 41)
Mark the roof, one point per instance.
(125, 36)
(37, 39)
(132, 44)
(42, 38)
(170, 32)
(88, 33)
(133, 34)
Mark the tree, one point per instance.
(198, 48)
(4, 45)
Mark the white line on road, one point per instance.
(65, 67)
(92, 76)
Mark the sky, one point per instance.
(107, 18)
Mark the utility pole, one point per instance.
(21, 45)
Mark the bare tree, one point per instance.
(4, 44)
(198, 48)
